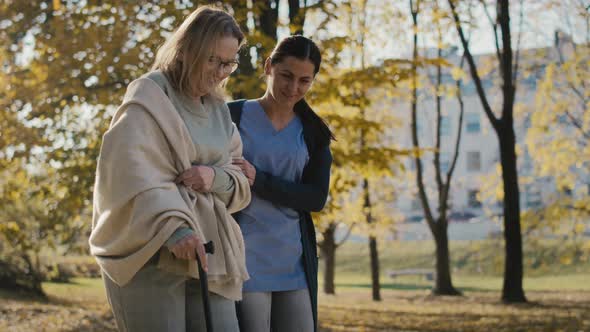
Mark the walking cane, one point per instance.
(210, 249)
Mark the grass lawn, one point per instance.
(559, 298)
(566, 282)
(416, 310)
(559, 295)
(485, 257)
(556, 303)
(77, 306)
(406, 306)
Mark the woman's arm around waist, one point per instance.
(308, 195)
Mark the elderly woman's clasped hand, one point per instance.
(198, 178)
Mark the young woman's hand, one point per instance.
(188, 247)
(198, 178)
(247, 168)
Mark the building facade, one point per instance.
(477, 171)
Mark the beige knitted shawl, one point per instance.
(137, 205)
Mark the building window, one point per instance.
(445, 162)
(473, 201)
(416, 204)
(473, 161)
(450, 201)
(445, 126)
(533, 197)
(472, 123)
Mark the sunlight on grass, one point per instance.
(416, 310)
(559, 299)
(465, 282)
(77, 306)
(556, 303)
(467, 257)
(406, 306)
(82, 290)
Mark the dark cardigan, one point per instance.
(305, 197)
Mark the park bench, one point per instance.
(427, 273)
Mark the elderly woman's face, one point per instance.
(221, 63)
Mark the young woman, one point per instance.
(165, 184)
(287, 161)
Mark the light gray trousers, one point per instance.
(156, 300)
(285, 311)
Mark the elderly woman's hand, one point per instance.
(198, 178)
(188, 248)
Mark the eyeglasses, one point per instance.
(227, 67)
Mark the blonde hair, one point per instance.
(184, 54)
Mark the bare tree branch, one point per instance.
(577, 91)
(458, 141)
(574, 121)
(508, 86)
(419, 170)
(577, 123)
(473, 69)
(517, 56)
(494, 24)
(346, 236)
(439, 182)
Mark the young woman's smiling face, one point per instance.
(289, 80)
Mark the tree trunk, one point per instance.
(296, 17)
(246, 69)
(31, 279)
(328, 248)
(443, 282)
(268, 26)
(373, 252)
(512, 290)
(438, 228)
(375, 285)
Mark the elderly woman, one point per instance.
(165, 184)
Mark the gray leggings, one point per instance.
(285, 311)
(156, 300)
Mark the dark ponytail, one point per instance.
(321, 132)
(304, 49)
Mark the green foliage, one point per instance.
(32, 222)
(559, 145)
(345, 95)
(82, 55)
(66, 65)
(559, 138)
(473, 259)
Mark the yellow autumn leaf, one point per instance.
(458, 73)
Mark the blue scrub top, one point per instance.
(271, 232)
